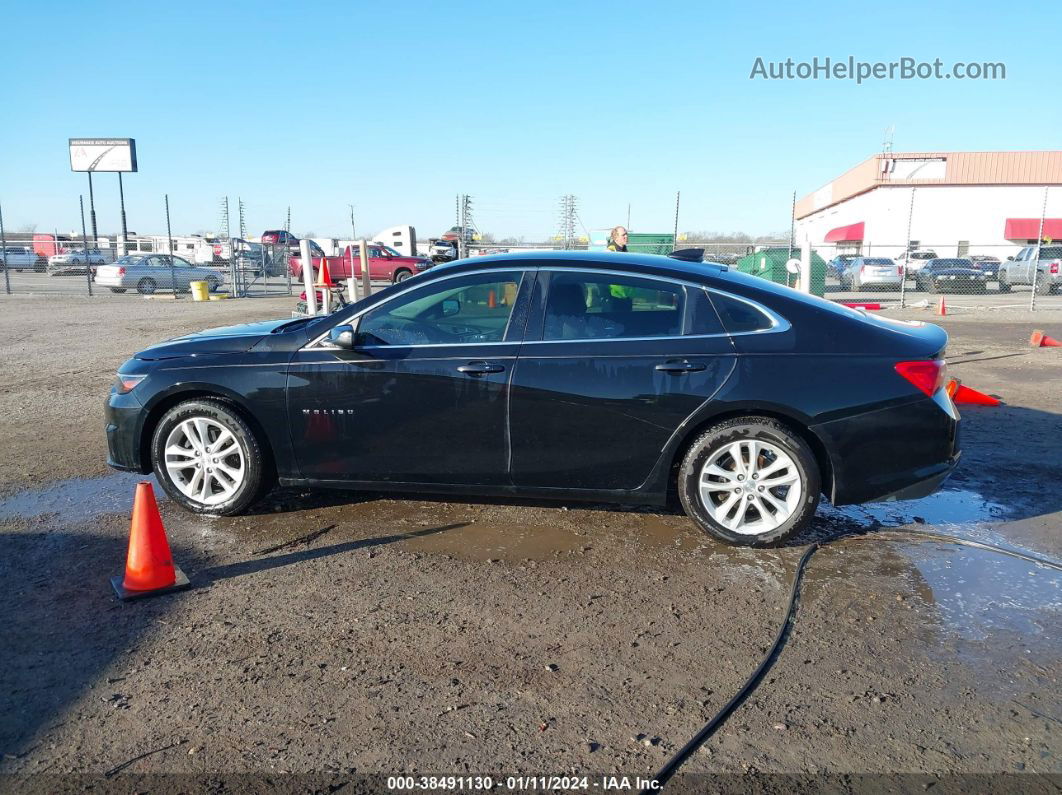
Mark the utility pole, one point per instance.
(353, 235)
(243, 225)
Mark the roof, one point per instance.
(935, 168)
(591, 259)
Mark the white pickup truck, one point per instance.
(19, 258)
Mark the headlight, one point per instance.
(125, 384)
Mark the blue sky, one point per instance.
(398, 108)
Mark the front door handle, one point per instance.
(480, 368)
(680, 367)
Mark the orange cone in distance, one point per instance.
(149, 569)
(942, 309)
(1041, 340)
(492, 300)
(324, 278)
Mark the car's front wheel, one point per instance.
(1004, 282)
(750, 481)
(207, 458)
(146, 286)
(402, 275)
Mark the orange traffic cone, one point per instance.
(1041, 340)
(942, 309)
(963, 395)
(324, 278)
(492, 300)
(149, 569)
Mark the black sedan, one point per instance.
(951, 275)
(604, 377)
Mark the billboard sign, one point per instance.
(102, 154)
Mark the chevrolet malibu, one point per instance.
(575, 376)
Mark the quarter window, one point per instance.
(740, 317)
(453, 312)
(588, 306)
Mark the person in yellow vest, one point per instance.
(622, 296)
(617, 239)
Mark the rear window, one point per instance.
(740, 317)
(878, 261)
(1051, 252)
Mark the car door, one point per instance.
(423, 397)
(1019, 271)
(611, 365)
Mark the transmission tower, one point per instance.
(568, 212)
(224, 225)
(466, 224)
(243, 224)
(287, 225)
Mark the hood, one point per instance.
(226, 339)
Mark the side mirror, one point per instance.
(342, 337)
(1010, 259)
(450, 307)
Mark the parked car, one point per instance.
(955, 274)
(74, 261)
(443, 251)
(148, 273)
(837, 266)
(871, 272)
(913, 261)
(385, 264)
(18, 258)
(986, 263)
(457, 233)
(1025, 267)
(559, 375)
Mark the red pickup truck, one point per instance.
(385, 264)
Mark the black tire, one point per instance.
(1043, 284)
(711, 444)
(213, 285)
(258, 469)
(933, 286)
(118, 289)
(402, 275)
(146, 286)
(1004, 284)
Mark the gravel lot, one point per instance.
(344, 635)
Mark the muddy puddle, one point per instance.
(945, 509)
(77, 500)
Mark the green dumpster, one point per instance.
(769, 263)
(650, 242)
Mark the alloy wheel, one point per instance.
(750, 486)
(205, 461)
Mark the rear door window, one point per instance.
(595, 306)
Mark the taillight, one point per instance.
(899, 270)
(121, 271)
(926, 376)
(1054, 267)
(862, 269)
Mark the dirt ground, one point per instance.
(347, 635)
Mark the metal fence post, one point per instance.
(1035, 277)
(366, 279)
(3, 249)
(84, 239)
(169, 242)
(907, 249)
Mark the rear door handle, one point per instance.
(680, 367)
(480, 368)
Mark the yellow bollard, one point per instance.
(200, 291)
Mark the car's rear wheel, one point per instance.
(1043, 284)
(207, 458)
(750, 481)
(146, 286)
(402, 275)
(118, 289)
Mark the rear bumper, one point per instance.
(901, 452)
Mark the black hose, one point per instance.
(672, 765)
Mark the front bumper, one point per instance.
(124, 422)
